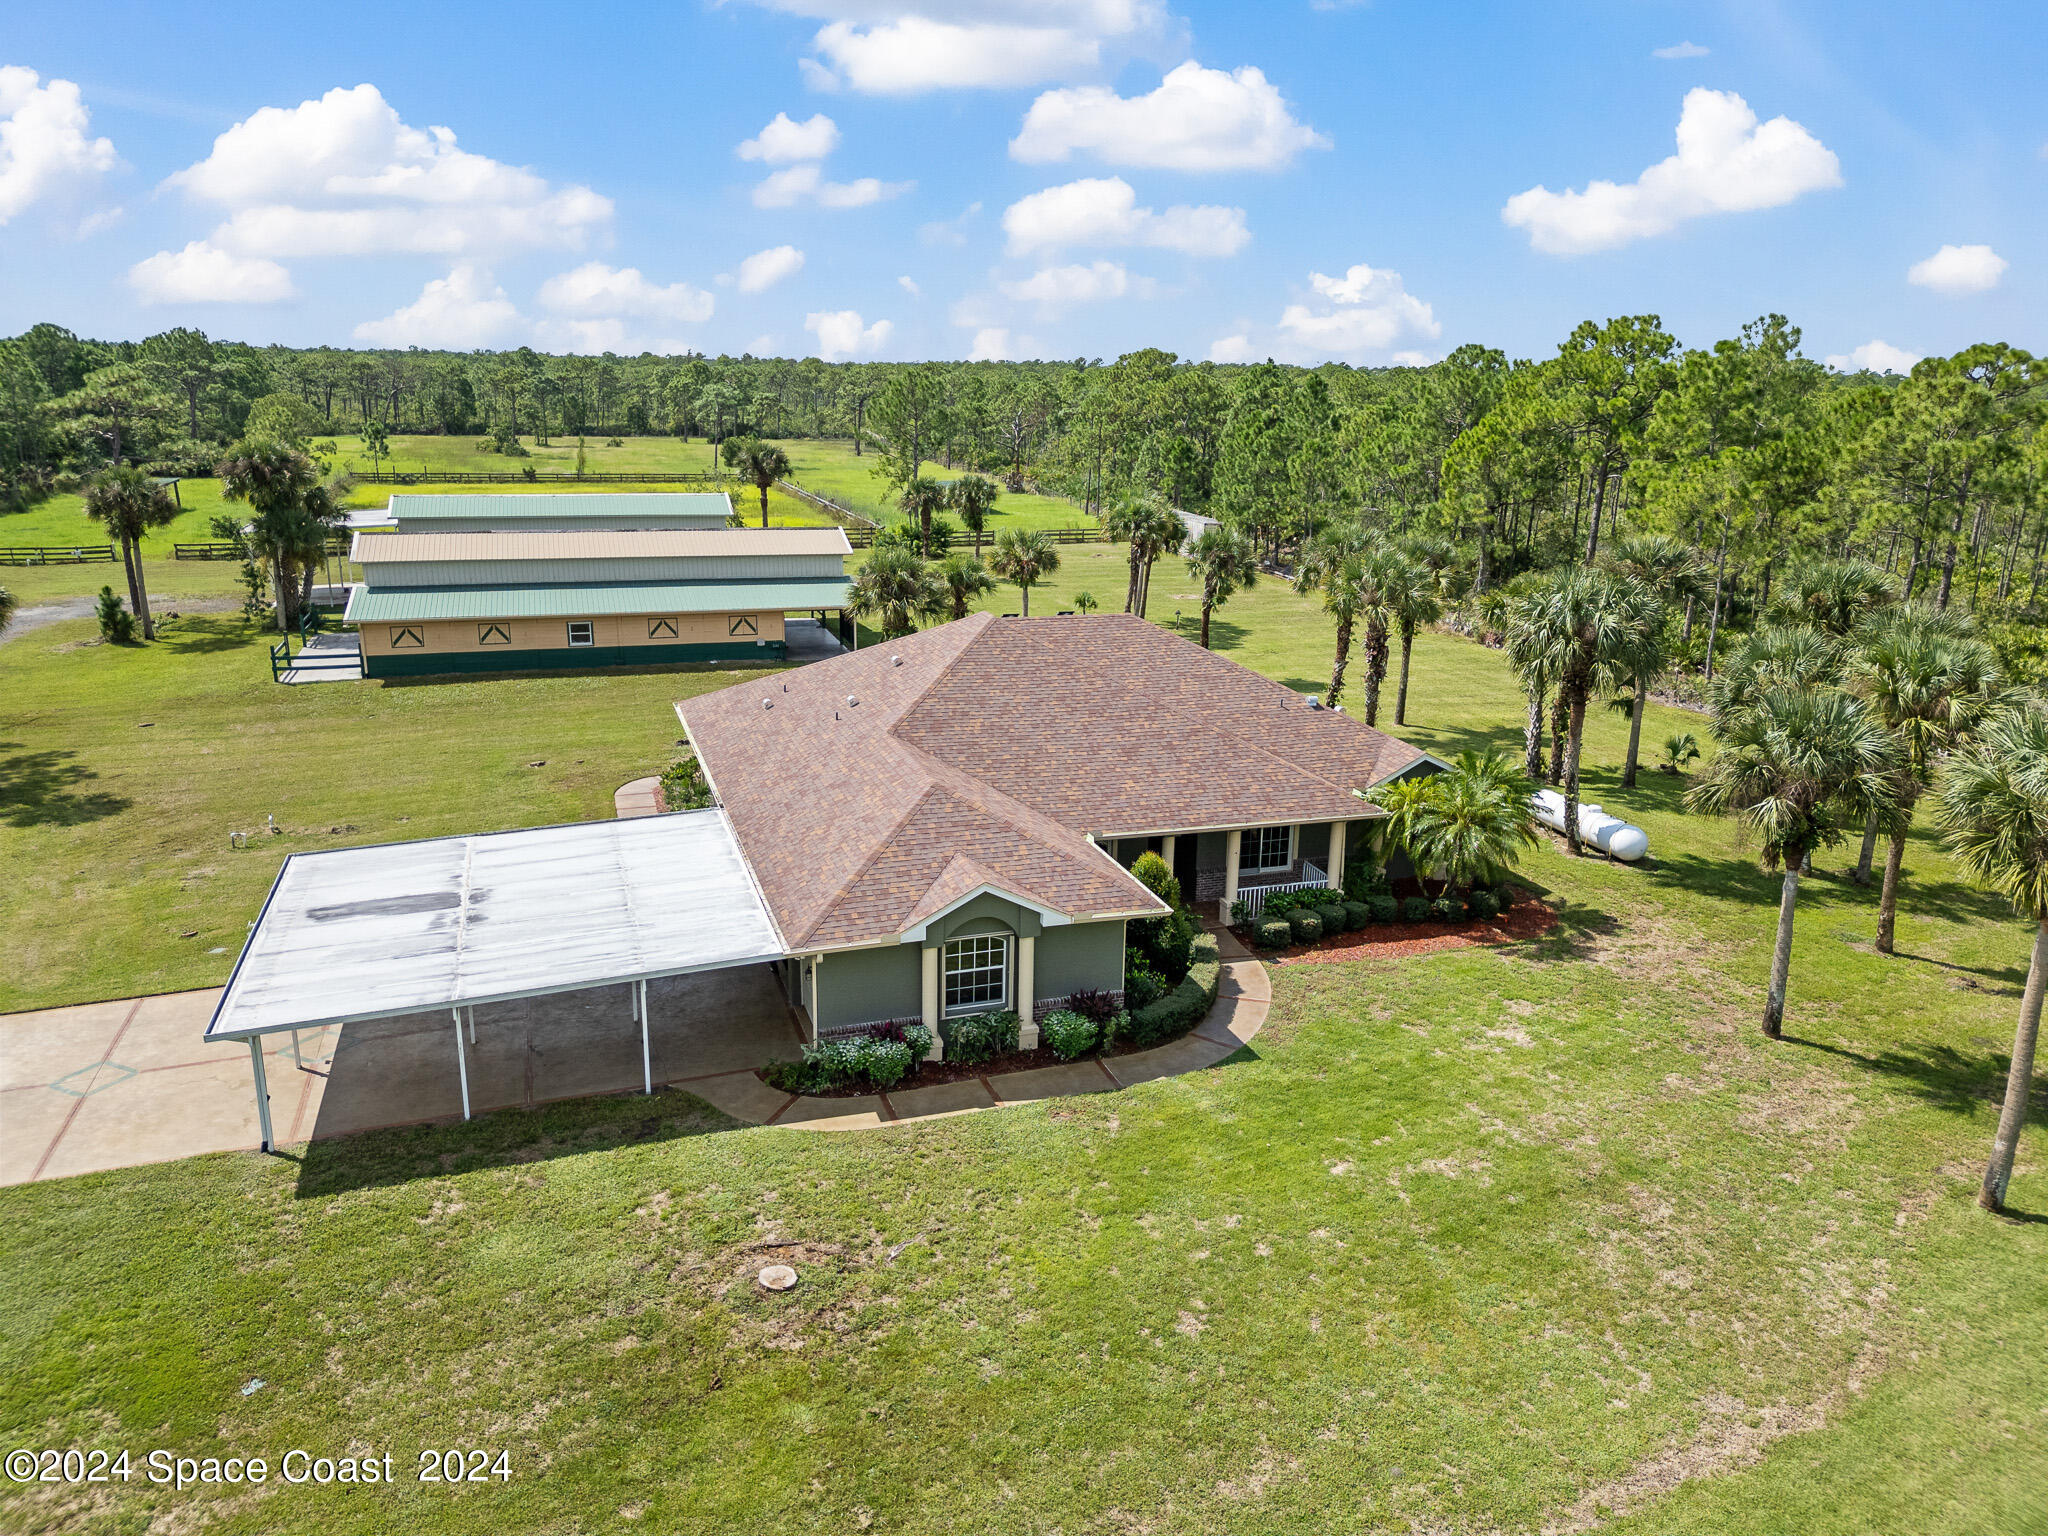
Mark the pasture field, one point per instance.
(1539, 1238)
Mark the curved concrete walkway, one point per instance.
(1243, 997)
(636, 798)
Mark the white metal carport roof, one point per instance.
(397, 928)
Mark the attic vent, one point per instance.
(1314, 702)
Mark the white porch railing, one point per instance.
(1254, 896)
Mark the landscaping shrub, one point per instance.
(1384, 908)
(1332, 914)
(1485, 904)
(1112, 1029)
(683, 786)
(919, 1038)
(871, 1059)
(1092, 1004)
(1364, 880)
(1415, 909)
(880, 1063)
(1273, 933)
(1142, 985)
(1356, 914)
(1306, 925)
(1447, 909)
(1167, 943)
(1180, 1010)
(980, 1036)
(1068, 1034)
(116, 622)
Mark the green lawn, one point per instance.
(828, 467)
(1487, 1241)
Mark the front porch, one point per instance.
(1219, 867)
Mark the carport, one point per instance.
(353, 934)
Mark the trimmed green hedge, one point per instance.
(1186, 1005)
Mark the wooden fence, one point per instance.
(864, 538)
(56, 554)
(221, 549)
(520, 477)
(839, 512)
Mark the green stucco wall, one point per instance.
(582, 658)
(864, 986)
(1083, 955)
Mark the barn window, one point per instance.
(742, 624)
(582, 632)
(661, 629)
(406, 637)
(492, 634)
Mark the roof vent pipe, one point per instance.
(1314, 702)
(767, 703)
(895, 661)
(851, 701)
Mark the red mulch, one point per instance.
(1392, 941)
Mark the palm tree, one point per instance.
(1930, 689)
(1680, 749)
(1796, 766)
(1583, 628)
(920, 498)
(899, 588)
(1336, 564)
(8, 604)
(1223, 561)
(1024, 555)
(1834, 596)
(1992, 799)
(1523, 640)
(966, 578)
(294, 515)
(974, 497)
(1152, 529)
(127, 503)
(761, 464)
(1086, 602)
(1473, 822)
(1776, 655)
(1673, 570)
(1414, 601)
(1640, 661)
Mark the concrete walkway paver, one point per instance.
(636, 798)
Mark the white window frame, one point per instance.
(977, 945)
(589, 628)
(1252, 848)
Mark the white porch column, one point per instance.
(1027, 992)
(461, 1062)
(1166, 849)
(262, 1092)
(931, 1000)
(1337, 855)
(1233, 843)
(812, 1012)
(646, 1045)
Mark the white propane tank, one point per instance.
(1610, 834)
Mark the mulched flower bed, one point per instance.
(1526, 919)
(933, 1074)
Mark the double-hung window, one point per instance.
(582, 632)
(977, 973)
(1264, 848)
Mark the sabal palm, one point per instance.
(761, 464)
(1930, 688)
(973, 497)
(1413, 597)
(1222, 560)
(1795, 767)
(1833, 596)
(1151, 529)
(966, 578)
(1350, 575)
(128, 504)
(921, 498)
(1024, 556)
(1773, 657)
(1583, 625)
(8, 604)
(1673, 570)
(1992, 799)
(1523, 639)
(899, 589)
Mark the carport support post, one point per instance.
(298, 1060)
(646, 1049)
(262, 1090)
(461, 1062)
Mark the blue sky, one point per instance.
(1027, 178)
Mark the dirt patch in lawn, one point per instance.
(1394, 941)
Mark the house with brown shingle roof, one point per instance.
(945, 823)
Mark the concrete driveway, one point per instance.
(111, 1085)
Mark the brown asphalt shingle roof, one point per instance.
(985, 752)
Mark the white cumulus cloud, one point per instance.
(764, 269)
(901, 47)
(44, 148)
(1232, 349)
(204, 274)
(1104, 211)
(465, 309)
(1680, 51)
(798, 183)
(1369, 310)
(841, 334)
(1875, 356)
(344, 175)
(991, 345)
(909, 285)
(1959, 269)
(1057, 288)
(784, 141)
(1197, 120)
(597, 291)
(1727, 162)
